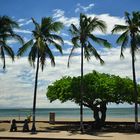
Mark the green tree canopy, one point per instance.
(99, 90)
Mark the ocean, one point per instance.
(67, 113)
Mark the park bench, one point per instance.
(15, 124)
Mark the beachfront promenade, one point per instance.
(67, 135)
(62, 131)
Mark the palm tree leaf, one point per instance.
(100, 41)
(138, 40)
(124, 44)
(87, 52)
(101, 25)
(75, 40)
(24, 48)
(50, 55)
(93, 52)
(9, 51)
(122, 37)
(47, 25)
(53, 37)
(42, 53)
(58, 47)
(2, 42)
(71, 53)
(18, 38)
(119, 28)
(37, 27)
(56, 26)
(32, 54)
(74, 28)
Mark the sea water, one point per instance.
(67, 112)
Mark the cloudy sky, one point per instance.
(17, 82)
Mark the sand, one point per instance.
(46, 130)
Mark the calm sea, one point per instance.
(67, 112)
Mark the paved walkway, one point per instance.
(61, 135)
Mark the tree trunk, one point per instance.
(81, 103)
(103, 109)
(35, 92)
(96, 117)
(99, 120)
(134, 80)
(135, 93)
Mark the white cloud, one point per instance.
(64, 34)
(12, 41)
(22, 31)
(23, 22)
(18, 82)
(58, 13)
(83, 8)
(109, 20)
(68, 42)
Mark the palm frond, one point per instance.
(123, 45)
(71, 53)
(138, 40)
(33, 54)
(74, 30)
(101, 25)
(94, 52)
(48, 25)
(119, 28)
(24, 48)
(75, 41)
(56, 26)
(50, 55)
(122, 37)
(42, 53)
(37, 27)
(87, 54)
(100, 41)
(58, 46)
(9, 51)
(18, 38)
(54, 37)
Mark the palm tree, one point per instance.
(43, 36)
(81, 38)
(130, 38)
(7, 26)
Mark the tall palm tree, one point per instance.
(43, 36)
(81, 38)
(130, 38)
(7, 26)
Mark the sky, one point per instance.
(17, 82)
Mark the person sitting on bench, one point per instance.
(26, 126)
(13, 126)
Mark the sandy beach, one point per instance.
(67, 131)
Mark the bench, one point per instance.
(14, 125)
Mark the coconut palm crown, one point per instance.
(7, 26)
(43, 37)
(130, 37)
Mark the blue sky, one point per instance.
(16, 84)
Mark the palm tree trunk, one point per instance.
(133, 45)
(35, 92)
(3, 57)
(135, 91)
(81, 103)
